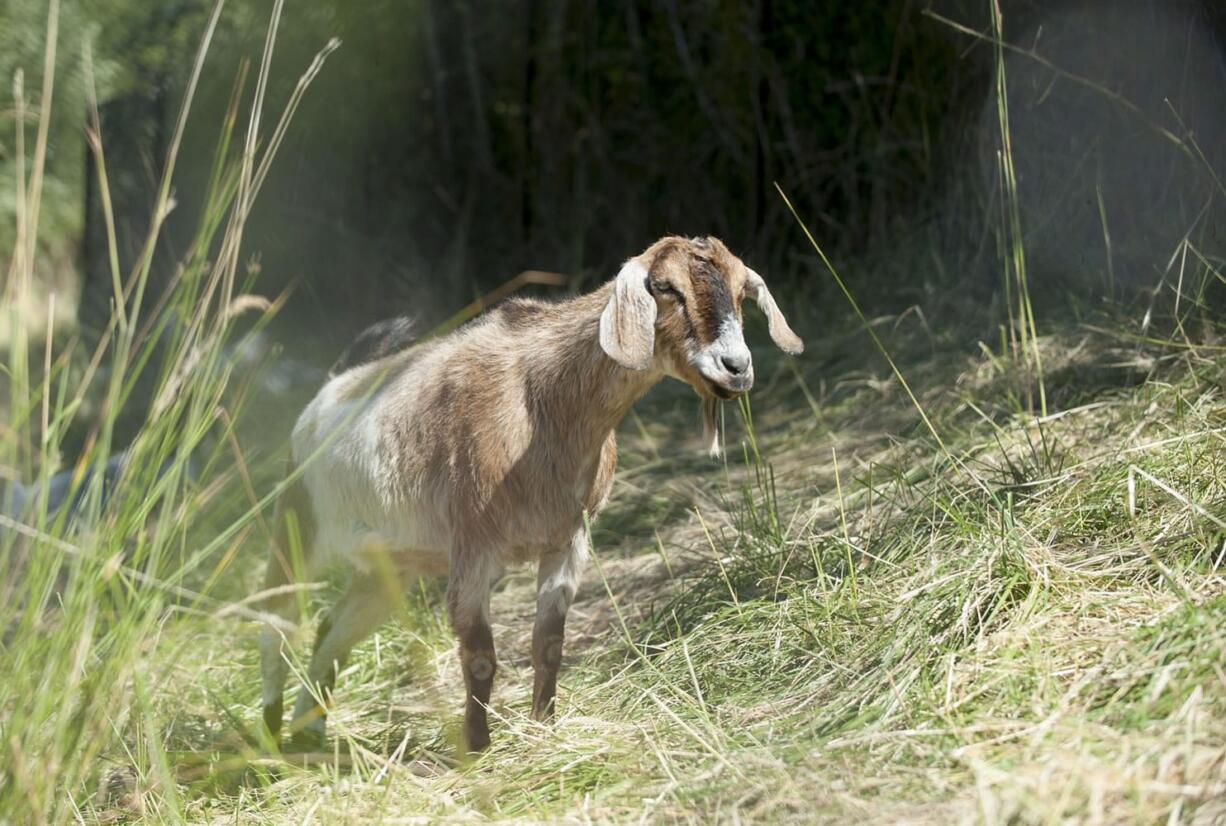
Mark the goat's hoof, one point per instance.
(306, 740)
(543, 701)
(272, 719)
(476, 742)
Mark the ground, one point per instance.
(1006, 617)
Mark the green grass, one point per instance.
(902, 597)
(1022, 645)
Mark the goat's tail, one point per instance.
(379, 340)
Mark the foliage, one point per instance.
(449, 148)
(907, 597)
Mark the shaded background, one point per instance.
(449, 145)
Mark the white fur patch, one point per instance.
(627, 325)
(730, 344)
(558, 578)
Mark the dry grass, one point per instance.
(903, 599)
(1014, 641)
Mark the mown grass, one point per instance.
(1025, 646)
(890, 603)
(902, 642)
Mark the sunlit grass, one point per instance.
(91, 583)
(902, 596)
(757, 676)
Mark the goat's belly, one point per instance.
(512, 555)
(361, 527)
(387, 547)
(377, 553)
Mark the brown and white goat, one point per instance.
(487, 447)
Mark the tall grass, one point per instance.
(1023, 332)
(88, 589)
(907, 601)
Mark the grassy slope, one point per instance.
(1012, 636)
(847, 621)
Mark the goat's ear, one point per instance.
(628, 323)
(781, 333)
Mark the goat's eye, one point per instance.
(665, 288)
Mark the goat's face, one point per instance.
(677, 307)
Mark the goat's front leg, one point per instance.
(557, 579)
(468, 603)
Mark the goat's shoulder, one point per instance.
(521, 312)
(530, 321)
(497, 339)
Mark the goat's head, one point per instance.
(677, 307)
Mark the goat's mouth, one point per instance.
(724, 390)
(722, 373)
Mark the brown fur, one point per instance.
(709, 277)
(710, 281)
(547, 637)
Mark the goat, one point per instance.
(487, 447)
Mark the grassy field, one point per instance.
(944, 575)
(845, 620)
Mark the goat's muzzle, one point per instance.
(725, 364)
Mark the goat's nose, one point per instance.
(735, 363)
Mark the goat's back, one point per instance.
(376, 342)
(411, 449)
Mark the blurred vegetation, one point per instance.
(451, 145)
(134, 49)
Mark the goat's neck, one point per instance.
(585, 386)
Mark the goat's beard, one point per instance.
(710, 426)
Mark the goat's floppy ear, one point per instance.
(628, 323)
(781, 333)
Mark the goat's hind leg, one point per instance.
(293, 538)
(468, 603)
(279, 605)
(367, 603)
